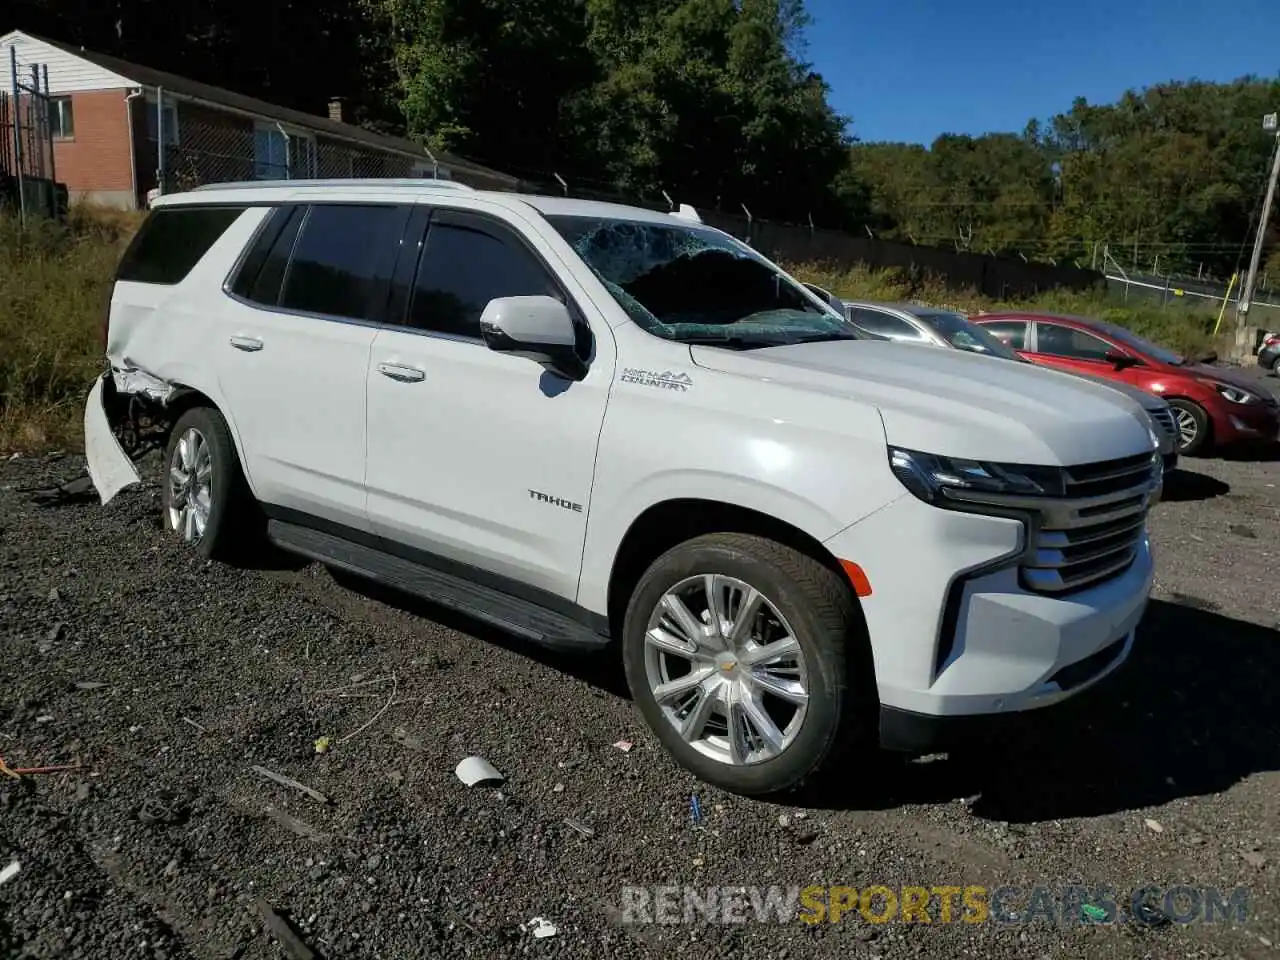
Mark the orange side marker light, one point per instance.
(861, 585)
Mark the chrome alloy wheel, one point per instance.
(190, 486)
(1188, 429)
(726, 669)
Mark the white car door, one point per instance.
(475, 457)
(295, 337)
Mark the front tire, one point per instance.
(1193, 426)
(203, 491)
(738, 651)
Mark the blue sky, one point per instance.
(912, 69)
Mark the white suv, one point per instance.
(594, 424)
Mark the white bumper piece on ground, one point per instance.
(109, 466)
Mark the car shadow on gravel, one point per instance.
(1182, 486)
(1189, 715)
(603, 670)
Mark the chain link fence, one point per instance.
(189, 144)
(29, 119)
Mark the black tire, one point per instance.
(1203, 429)
(232, 519)
(822, 612)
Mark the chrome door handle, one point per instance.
(397, 371)
(249, 344)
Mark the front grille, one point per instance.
(1163, 420)
(1094, 532)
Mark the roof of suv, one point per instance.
(279, 191)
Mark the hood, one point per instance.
(955, 403)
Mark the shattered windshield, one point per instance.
(697, 285)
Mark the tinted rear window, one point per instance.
(172, 241)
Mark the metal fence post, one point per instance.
(160, 164)
(53, 162)
(17, 134)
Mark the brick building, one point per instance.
(119, 127)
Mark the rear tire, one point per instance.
(776, 739)
(204, 496)
(1193, 427)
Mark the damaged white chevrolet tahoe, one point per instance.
(588, 423)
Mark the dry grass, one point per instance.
(55, 281)
(54, 284)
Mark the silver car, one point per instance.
(933, 326)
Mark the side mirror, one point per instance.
(538, 328)
(826, 296)
(1120, 359)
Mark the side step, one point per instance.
(511, 614)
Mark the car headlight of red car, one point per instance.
(1231, 393)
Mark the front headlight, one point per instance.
(1230, 393)
(932, 477)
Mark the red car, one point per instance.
(1213, 405)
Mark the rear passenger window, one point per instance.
(264, 267)
(341, 264)
(172, 241)
(465, 263)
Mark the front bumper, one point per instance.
(953, 632)
(1245, 422)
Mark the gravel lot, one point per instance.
(169, 678)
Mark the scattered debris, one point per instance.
(56, 631)
(1150, 914)
(9, 872)
(558, 788)
(1254, 859)
(54, 596)
(1242, 531)
(541, 928)
(188, 720)
(581, 828)
(293, 824)
(368, 723)
(1093, 914)
(46, 718)
(783, 820)
(323, 744)
(805, 837)
(1153, 825)
(624, 745)
(695, 810)
(164, 808)
(74, 491)
(90, 685)
(477, 770)
(16, 772)
(289, 782)
(283, 933)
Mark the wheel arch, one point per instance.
(670, 522)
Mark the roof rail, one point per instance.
(429, 183)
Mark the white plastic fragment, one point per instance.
(541, 928)
(9, 872)
(624, 745)
(1154, 825)
(477, 770)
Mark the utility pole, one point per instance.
(1269, 123)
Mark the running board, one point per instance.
(511, 614)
